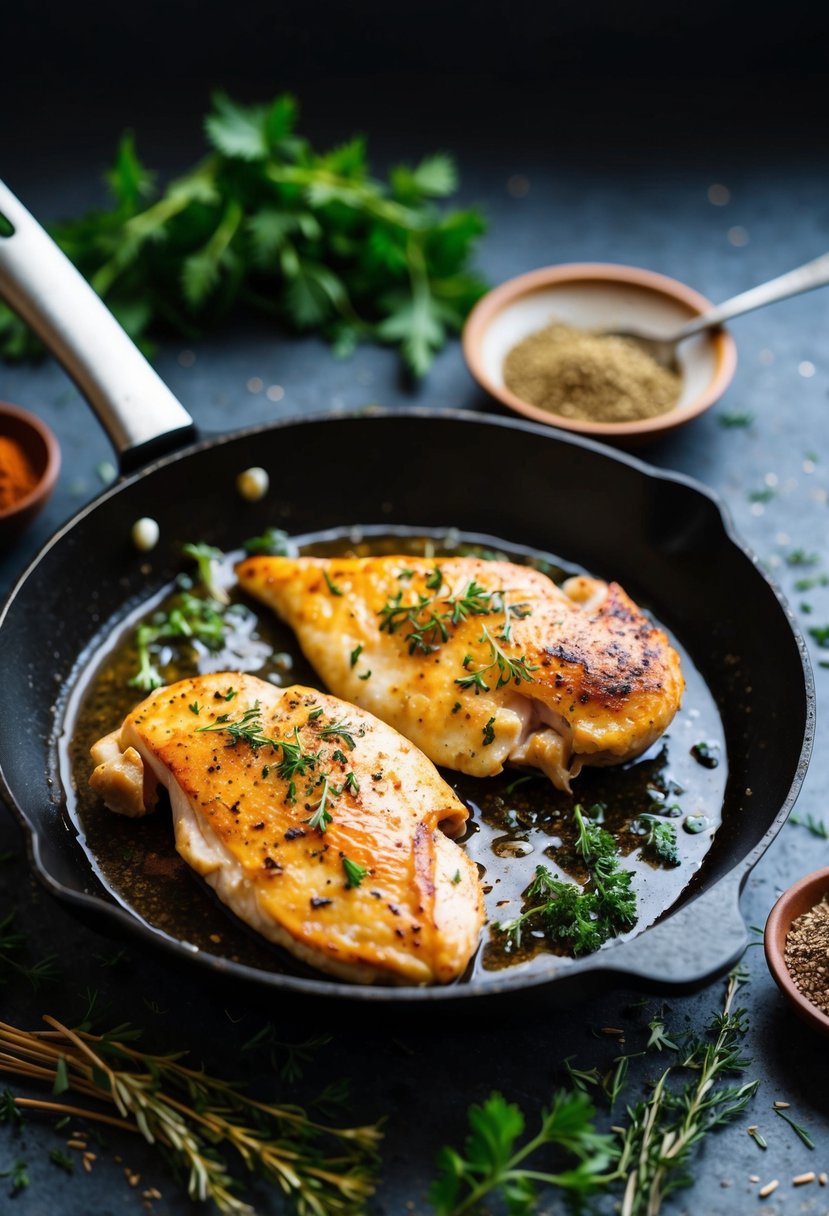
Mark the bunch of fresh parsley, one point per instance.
(267, 223)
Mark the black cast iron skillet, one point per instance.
(662, 536)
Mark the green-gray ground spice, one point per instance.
(807, 954)
(591, 376)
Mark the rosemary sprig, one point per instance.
(199, 1121)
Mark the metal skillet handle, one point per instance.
(134, 405)
(701, 941)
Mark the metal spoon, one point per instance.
(663, 348)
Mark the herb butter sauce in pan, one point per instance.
(408, 473)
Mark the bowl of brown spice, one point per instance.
(797, 947)
(29, 466)
(545, 345)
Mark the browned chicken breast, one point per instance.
(481, 662)
(320, 826)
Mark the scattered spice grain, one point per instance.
(807, 954)
(593, 376)
(17, 475)
(802, 1179)
(767, 1190)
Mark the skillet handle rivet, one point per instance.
(145, 533)
(253, 484)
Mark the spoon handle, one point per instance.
(804, 278)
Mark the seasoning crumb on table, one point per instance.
(807, 954)
(593, 376)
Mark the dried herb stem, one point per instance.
(323, 1170)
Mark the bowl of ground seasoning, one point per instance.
(543, 344)
(797, 947)
(29, 466)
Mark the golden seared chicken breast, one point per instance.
(481, 662)
(317, 824)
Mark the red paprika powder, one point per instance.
(17, 475)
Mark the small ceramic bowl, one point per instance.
(599, 296)
(798, 899)
(41, 447)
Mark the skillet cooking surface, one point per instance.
(659, 535)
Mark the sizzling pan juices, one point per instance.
(661, 536)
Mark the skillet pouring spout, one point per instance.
(664, 538)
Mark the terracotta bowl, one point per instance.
(597, 295)
(798, 899)
(41, 447)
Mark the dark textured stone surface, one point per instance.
(601, 188)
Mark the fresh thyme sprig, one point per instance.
(197, 1120)
(427, 628)
(509, 670)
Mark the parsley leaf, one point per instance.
(267, 221)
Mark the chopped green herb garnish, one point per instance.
(355, 654)
(820, 633)
(321, 816)
(195, 708)
(435, 580)
(735, 419)
(206, 557)
(62, 1160)
(816, 826)
(366, 675)
(800, 557)
(330, 584)
(660, 839)
(354, 874)
(809, 584)
(191, 619)
(706, 753)
(764, 495)
(316, 713)
(344, 731)
(272, 543)
(456, 877)
(351, 783)
(489, 733)
(796, 1127)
